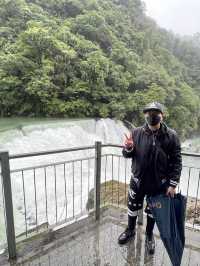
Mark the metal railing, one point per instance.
(49, 194)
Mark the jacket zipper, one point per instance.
(154, 141)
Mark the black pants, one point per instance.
(136, 195)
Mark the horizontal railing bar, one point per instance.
(118, 155)
(80, 159)
(121, 146)
(17, 156)
(192, 167)
(190, 154)
(52, 164)
(111, 154)
(112, 145)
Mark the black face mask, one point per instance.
(153, 119)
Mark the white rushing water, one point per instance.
(60, 135)
(44, 137)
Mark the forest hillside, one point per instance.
(95, 58)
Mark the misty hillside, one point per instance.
(95, 58)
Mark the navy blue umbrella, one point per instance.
(169, 214)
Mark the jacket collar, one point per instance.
(161, 130)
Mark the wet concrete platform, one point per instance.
(87, 242)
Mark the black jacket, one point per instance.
(167, 160)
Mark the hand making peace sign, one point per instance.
(129, 143)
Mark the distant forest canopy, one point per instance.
(95, 58)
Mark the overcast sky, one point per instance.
(180, 16)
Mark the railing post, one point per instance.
(140, 217)
(6, 182)
(97, 179)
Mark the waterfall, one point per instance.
(54, 136)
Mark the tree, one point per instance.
(95, 58)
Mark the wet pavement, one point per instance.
(95, 243)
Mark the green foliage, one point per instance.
(94, 58)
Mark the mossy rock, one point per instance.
(112, 192)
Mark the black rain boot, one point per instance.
(129, 233)
(150, 241)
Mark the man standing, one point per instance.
(156, 168)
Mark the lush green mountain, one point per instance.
(95, 58)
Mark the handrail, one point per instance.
(190, 154)
(24, 155)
